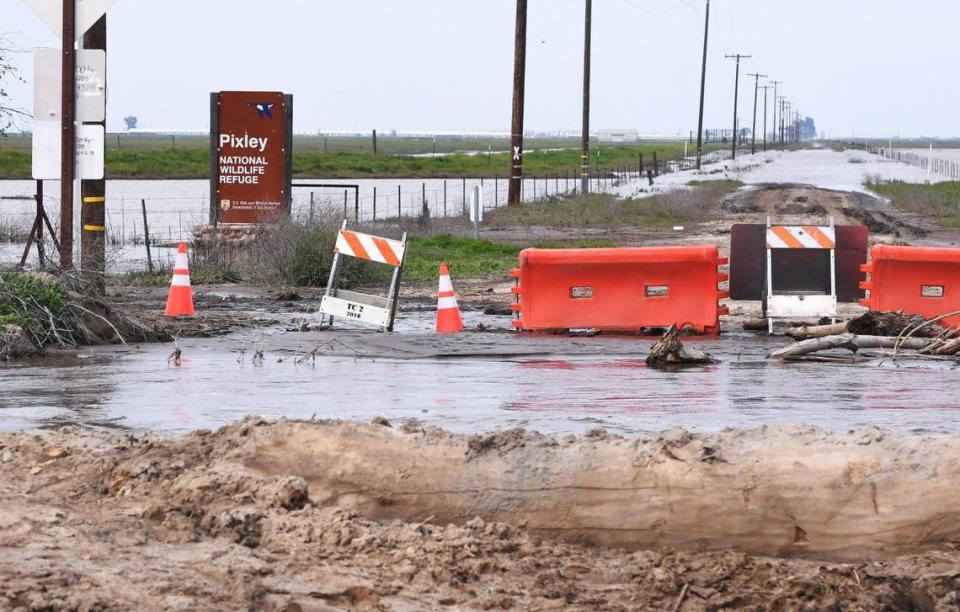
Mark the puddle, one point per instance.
(472, 382)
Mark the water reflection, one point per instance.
(601, 381)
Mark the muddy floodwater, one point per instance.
(472, 382)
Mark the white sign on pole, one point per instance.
(91, 85)
(46, 151)
(51, 12)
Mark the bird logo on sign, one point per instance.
(264, 109)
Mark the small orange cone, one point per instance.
(449, 320)
(180, 299)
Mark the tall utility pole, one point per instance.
(703, 84)
(93, 244)
(736, 92)
(775, 98)
(585, 155)
(515, 191)
(765, 89)
(68, 133)
(783, 106)
(756, 90)
(779, 126)
(787, 116)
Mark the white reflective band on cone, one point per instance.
(180, 280)
(446, 302)
(445, 284)
(181, 262)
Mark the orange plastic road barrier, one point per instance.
(916, 280)
(619, 289)
(180, 298)
(449, 320)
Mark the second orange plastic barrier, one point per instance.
(916, 280)
(624, 289)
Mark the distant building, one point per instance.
(618, 136)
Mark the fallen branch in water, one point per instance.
(670, 351)
(805, 332)
(869, 324)
(907, 334)
(851, 342)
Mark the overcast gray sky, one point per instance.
(865, 67)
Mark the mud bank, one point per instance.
(790, 491)
(287, 516)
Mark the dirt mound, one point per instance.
(113, 521)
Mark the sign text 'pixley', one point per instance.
(243, 142)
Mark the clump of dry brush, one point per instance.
(38, 311)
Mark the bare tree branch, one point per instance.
(9, 73)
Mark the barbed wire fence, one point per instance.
(925, 161)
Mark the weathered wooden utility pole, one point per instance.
(736, 92)
(765, 89)
(776, 96)
(68, 132)
(93, 243)
(515, 190)
(756, 90)
(585, 155)
(703, 84)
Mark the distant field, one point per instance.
(860, 143)
(186, 157)
(386, 144)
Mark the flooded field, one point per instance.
(473, 382)
(174, 207)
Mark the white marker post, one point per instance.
(476, 210)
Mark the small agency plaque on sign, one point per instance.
(250, 173)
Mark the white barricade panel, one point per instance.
(801, 306)
(355, 311)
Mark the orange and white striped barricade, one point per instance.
(362, 307)
(785, 302)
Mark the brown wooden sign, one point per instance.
(250, 146)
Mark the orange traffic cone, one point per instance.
(448, 313)
(180, 299)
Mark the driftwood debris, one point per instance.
(851, 342)
(890, 324)
(805, 332)
(869, 324)
(669, 351)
